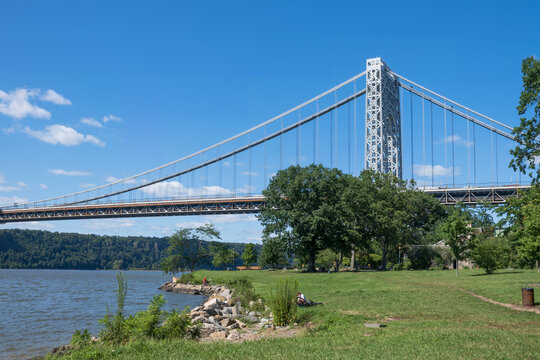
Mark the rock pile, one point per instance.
(220, 317)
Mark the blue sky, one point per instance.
(91, 91)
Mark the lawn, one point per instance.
(426, 314)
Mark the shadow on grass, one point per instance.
(499, 273)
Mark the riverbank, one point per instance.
(425, 313)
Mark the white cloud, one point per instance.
(536, 160)
(9, 200)
(438, 170)
(109, 224)
(175, 188)
(190, 224)
(111, 179)
(87, 185)
(31, 225)
(43, 186)
(91, 122)
(8, 131)
(249, 173)
(69, 173)
(54, 97)
(8, 188)
(108, 118)
(62, 135)
(16, 104)
(22, 184)
(230, 219)
(457, 140)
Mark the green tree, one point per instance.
(457, 233)
(386, 210)
(249, 255)
(273, 253)
(222, 254)
(527, 152)
(304, 210)
(491, 253)
(327, 258)
(186, 248)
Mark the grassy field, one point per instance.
(426, 314)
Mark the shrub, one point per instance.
(186, 278)
(283, 301)
(81, 339)
(243, 291)
(114, 327)
(421, 257)
(491, 253)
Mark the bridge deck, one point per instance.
(238, 205)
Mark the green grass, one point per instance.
(433, 319)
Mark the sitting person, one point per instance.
(204, 281)
(301, 300)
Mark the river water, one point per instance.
(40, 309)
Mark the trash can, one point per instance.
(527, 296)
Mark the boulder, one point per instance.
(219, 317)
(233, 326)
(240, 324)
(225, 293)
(211, 319)
(219, 335)
(227, 322)
(251, 304)
(252, 319)
(212, 304)
(200, 319)
(228, 310)
(254, 313)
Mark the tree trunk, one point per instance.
(353, 260)
(384, 251)
(457, 266)
(538, 266)
(311, 262)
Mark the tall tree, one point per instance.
(457, 233)
(382, 208)
(249, 255)
(186, 248)
(222, 254)
(303, 208)
(273, 253)
(527, 153)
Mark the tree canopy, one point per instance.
(526, 155)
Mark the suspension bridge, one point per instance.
(408, 130)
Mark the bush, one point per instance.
(421, 257)
(491, 253)
(114, 327)
(283, 301)
(243, 291)
(81, 339)
(187, 278)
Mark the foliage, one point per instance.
(52, 250)
(327, 258)
(243, 290)
(384, 209)
(249, 255)
(81, 339)
(457, 233)
(114, 327)
(527, 134)
(186, 278)
(222, 254)
(273, 253)
(491, 253)
(187, 248)
(421, 257)
(304, 210)
(283, 301)
(522, 216)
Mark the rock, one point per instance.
(219, 335)
(227, 322)
(234, 334)
(225, 293)
(254, 313)
(219, 317)
(200, 319)
(235, 310)
(233, 326)
(240, 324)
(250, 318)
(198, 308)
(211, 319)
(374, 325)
(221, 298)
(251, 304)
(227, 310)
(212, 304)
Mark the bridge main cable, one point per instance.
(231, 153)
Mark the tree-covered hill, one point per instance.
(34, 249)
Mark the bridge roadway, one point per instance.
(220, 206)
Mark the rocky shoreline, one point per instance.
(221, 317)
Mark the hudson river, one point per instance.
(40, 309)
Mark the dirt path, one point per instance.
(510, 306)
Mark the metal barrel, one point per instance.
(527, 296)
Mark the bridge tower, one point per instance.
(383, 121)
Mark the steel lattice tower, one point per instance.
(383, 122)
